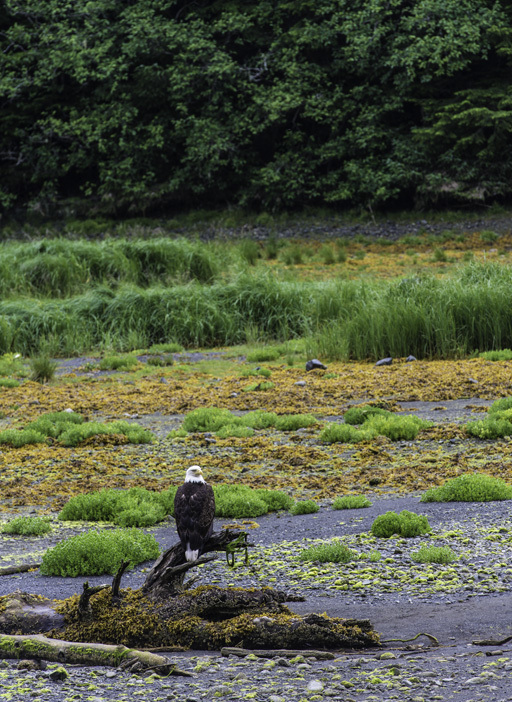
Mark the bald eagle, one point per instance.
(194, 509)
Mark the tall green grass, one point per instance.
(423, 316)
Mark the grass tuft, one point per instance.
(351, 502)
(434, 554)
(407, 524)
(304, 507)
(333, 552)
(27, 526)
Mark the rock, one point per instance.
(28, 665)
(472, 380)
(59, 673)
(314, 686)
(385, 361)
(409, 359)
(387, 655)
(314, 364)
(300, 383)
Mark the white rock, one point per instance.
(315, 686)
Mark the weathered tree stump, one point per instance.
(166, 577)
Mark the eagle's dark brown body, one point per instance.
(194, 510)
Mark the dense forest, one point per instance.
(146, 105)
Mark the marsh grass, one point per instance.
(118, 362)
(43, 368)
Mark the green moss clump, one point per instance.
(9, 383)
(209, 419)
(263, 355)
(126, 362)
(257, 387)
(258, 419)
(99, 552)
(134, 507)
(274, 499)
(504, 403)
(304, 507)
(333, 552)
(492, 427)
(470, 487)
(351, 502)
(503, 355)
(237, 431)
(27, 526)
(407, 524)
(237, 501)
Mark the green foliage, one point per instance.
(257, 387)
(344, 433)
(43, 368)
(406, 524)
(502, 355)
(358, 415)
(134, 433)
(492, 427)
(265, 372)
(351, 502)
(470, 487)
(259, 419)
(9, 383)
(262, 355)
(118, 362)
(208, 419)
(234, 430)
(249, 251)
(333, 552)
(501, 405)
(304, 507)
(274, 499)
(165, 348)
(292, 422)
(27, 526)
(135, 507)
(99, 552)
(21, 437)
(237, 501)
(434, 554)
(396, 427)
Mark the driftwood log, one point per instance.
(167, 612)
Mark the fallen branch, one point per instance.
(492, 642)
(40, 647)
(23, 568)
(270, 653)
(429, 636)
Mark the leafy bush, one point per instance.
(237, 431)
(351, 502)
(99, 552)
(262, 355)
(492, 427)
(396, 427)
(503, 355)
(470, 487)
(21, 437)
(333, 552)
(258, 419)
(274, 499)
(358, 415)
(345, 433)
(27, 526)
(434, 554)
(256, 387)
(9, 383)
(209, 419)
(133, 507)
(304, 507)
(238, 501)
(292, 422)
(405, 524)
(118, 362)
(504, 403)
(77, 433)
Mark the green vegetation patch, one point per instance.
(99, 552)
(375, 422)
(470, 487)
(224, 422)
(345, 434)
(27, 526)
(21, 437)
(502, 355)
(351, 502)
(359, 415)
(434, 554)
(304, 507)
(263, 355)
(332, 552)
(124, 362)
(407, 524)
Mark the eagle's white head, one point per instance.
(194, 475)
